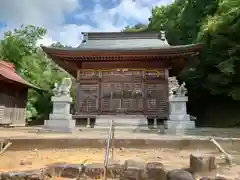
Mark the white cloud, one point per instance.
(47, 41)
(43, 12)
(51, 14)
(118, 17)
(131, 10)
(68, 34)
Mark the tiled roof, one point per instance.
(7, 70)
(122, 40)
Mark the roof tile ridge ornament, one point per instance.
(163, 35)
(85, 37)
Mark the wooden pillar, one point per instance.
(155, 122)
(99, 92)
(167, 92)
(166, 73)
(77, 93)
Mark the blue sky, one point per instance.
(66, 19)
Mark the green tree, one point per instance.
(216, 24)
(137, 28)
(20, 48)
(59, 45)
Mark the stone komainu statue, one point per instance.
(63, 88)
(56, 90)
(181, 90)
(66, 86)
(175, 88)
(172, 85)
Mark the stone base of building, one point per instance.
(175, 124)
(179, 117)
(60, 117)
(179, 127)
(56, 130)
(121, 121)
(59, 125)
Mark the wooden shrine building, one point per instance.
(122, 72)
(13, 96)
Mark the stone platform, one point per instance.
(29, 138)
(60, 120)
(132, 122)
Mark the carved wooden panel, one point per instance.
(132, 64)
(122, 75)
(156, 97)
(155, 74)
(88, 75)
(137, 75)
(116, 75)
(87, 98)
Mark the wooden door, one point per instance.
(87, 98)
(132, 99)
(156, 98)
(122, 97)
(111, 97)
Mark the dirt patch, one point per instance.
(172, 159)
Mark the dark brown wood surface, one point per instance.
(125, 91)
(13, 99)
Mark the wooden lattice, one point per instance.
(123, 91)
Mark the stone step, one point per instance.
(46, 129)
(132, 121)
(215, 132)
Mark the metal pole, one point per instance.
(113, 139)
(107, 151)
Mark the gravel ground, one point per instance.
(13, 160)
(25, 160)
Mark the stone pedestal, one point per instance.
(178, 117)
(60, 119)
(121, 121)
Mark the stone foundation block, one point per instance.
(155, 171)
(121, 121)
(170, 124)
(199, 163)
(60, 124)
(180, 174)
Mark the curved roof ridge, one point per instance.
(120, 35)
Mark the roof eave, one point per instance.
(165, 50)
(26, 84)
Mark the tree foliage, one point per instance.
(20, 48)
(216, 24)
(137, 28)
(216, 72)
